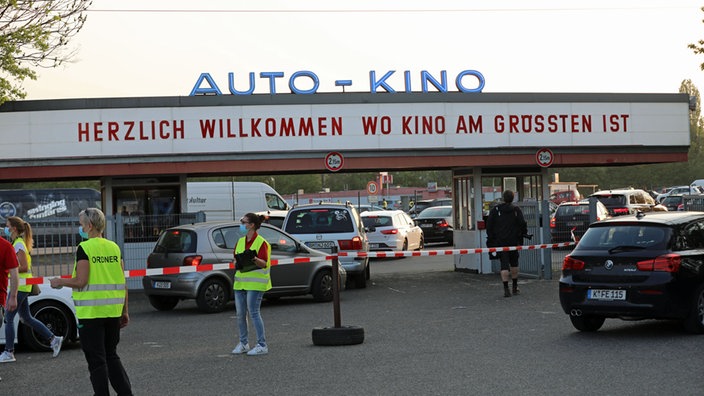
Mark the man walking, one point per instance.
(506, 227)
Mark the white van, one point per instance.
(698, 183)
(232, 200)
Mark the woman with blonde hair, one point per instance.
(20, 233)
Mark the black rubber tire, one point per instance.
(163, 303)
(212, 296)
(694, 323)
(56, 317)
(421, 246)
(322, 286)
(405, 245)
(336, 336)
(587, 323)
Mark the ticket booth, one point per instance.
(476, 191)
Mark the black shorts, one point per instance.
(508, 259)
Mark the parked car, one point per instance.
(559, 197)
(627, 201)
(327, 225)
(426, 203)
(679, 190)
(275, 217)
(392, 230)
(361, 208)
(673, 202)
(436, 223)
(214, 243)
(573, 218)
(54, 308)
(644, 266)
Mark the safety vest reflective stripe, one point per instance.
(104, 294)
(258, 279)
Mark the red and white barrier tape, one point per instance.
(298, 260)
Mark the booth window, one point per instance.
(463, 195)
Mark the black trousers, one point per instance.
(99, 339)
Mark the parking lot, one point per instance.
(428, 330)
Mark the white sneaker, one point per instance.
(56, 345)
(258, 350)
(7, 357)
(240, 349)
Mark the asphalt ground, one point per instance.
(426, 332)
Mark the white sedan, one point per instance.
(392, 230)
(54, 308)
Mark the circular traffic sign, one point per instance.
(372, 188)
(544, 157)
(334, 161)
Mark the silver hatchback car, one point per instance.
(214, 243)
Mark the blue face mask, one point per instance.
(243, 228)
(82, 233)
(7, 232)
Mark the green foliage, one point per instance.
(35, 34)
(698, 48)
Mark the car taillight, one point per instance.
(442, 223)
(390, 232)
(621, 211)
(665, 263)
(570, 263)
(552, 222)
(192, 260)
(680, 207)
(350, 244)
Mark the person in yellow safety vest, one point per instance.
(20, 231)
(100, 297)
(251, 283)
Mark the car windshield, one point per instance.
(612, 200)
(625, 236)
(436, 211)
(319, 221)
(176, 241)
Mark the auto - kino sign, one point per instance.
(354, 126)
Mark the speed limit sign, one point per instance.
(372, 188)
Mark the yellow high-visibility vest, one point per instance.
(28, 274)
(258, 279)
(104, 294)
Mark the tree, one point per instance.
(35, 34)
(699, 47)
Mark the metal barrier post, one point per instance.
(336, 288)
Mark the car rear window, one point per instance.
(436, 211)
(637, 236)
(612, 200)
(572, 210)
(176, 241)
(319, 221)
(377, 221)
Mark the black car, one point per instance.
(644, 266)
(673, 202)
(572, 218)
(436, 223)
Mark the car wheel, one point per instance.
(161, 303)
(694, 323)
(587, 322)
(405, 245)
(360, 280)
(212, 296)
(421, 244)
(336, 336)
(56, 317)
(322, 286)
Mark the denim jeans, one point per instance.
(249, 300)
(27, 319)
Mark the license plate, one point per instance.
(373, 245)
(606, 294)
(321, 245)
(426, 225)
(162, 285)
(573, 223)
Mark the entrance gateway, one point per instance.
(146, 148)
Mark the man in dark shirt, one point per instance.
(506, 227)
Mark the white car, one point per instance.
(54, 308)
(392, 230)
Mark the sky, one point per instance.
(137, 48)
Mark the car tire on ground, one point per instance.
(322, 286)
(163, 303)
(405, 245)
(212, 296)
(421, 244)
(56, 317)
(587, 323)
(336, 336)
(694, 323)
